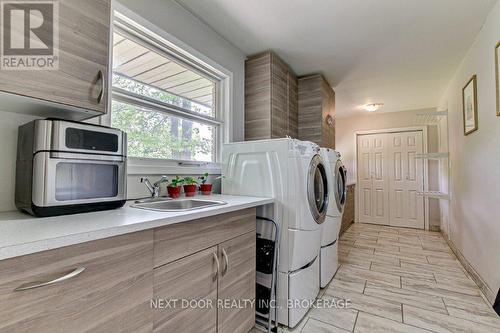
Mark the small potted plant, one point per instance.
(206, 189)
(190, 186)
(174, 188)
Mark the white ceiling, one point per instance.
(399, 52)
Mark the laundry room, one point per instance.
(231, 166)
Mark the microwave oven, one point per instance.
(66, 167)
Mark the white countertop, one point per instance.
(22, 234)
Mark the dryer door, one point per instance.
(317, 189)
(340, 187)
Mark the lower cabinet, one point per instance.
(137, 282)
(237, 284)
(105, 287)
(210, 291)
(191, 278)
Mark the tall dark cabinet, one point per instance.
(316, 111)
(271, 98)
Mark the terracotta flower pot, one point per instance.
(174, 192)
(206, 189)
(190, 190)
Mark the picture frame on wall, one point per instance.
(497, 75)
(469, 100)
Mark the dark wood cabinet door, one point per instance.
(271, 98)
(83, 60)
(279, 98)
(293, 106)
(237, 284)
(190, 278)
(316, 106)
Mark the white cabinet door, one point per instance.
(405, 180)
(372, 179)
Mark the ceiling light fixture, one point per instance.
(373, 107)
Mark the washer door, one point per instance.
(317, 189)
(340, 187)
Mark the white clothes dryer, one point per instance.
(294, 174)
(336, 177)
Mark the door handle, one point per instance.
(37, 284)
(226, 259)
(100, 77)
(216, 259)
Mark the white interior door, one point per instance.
(389, 178)
(405, 180)
(373, 195)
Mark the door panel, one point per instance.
(372, 159)
(405, 180)
(398, 203)
(237, 284)
(398, 167)
(364, 180)
(83, 60)
(190, 278)
(367, 198)
(366, 166)
(389, 178)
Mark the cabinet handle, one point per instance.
(216, 259)
(226, 259)
(100, 77)
(38, 284)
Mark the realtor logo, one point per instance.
(29, 35)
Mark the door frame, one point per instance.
(425, 165)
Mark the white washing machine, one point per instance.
(293, 173)
(336, 177)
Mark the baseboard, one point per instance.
(434, 228)
(488, 294)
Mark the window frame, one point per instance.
(148, 35)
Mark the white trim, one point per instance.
(148, 166)
(123, 96)
(425, 171)
(392, 130)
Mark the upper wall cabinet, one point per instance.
(68, 57)
(316, 111)
(271, 98)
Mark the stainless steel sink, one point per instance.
(177, 205)
(148, 200)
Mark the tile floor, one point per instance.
(400, 280)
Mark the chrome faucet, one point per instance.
(154, 188)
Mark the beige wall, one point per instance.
(345, 138)
(474, 220)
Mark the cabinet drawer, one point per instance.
(112, 294)
(191, 278)
(182, 239)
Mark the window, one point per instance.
(167, 102)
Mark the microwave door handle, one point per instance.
(87, 157)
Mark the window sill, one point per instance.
(144, 166)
